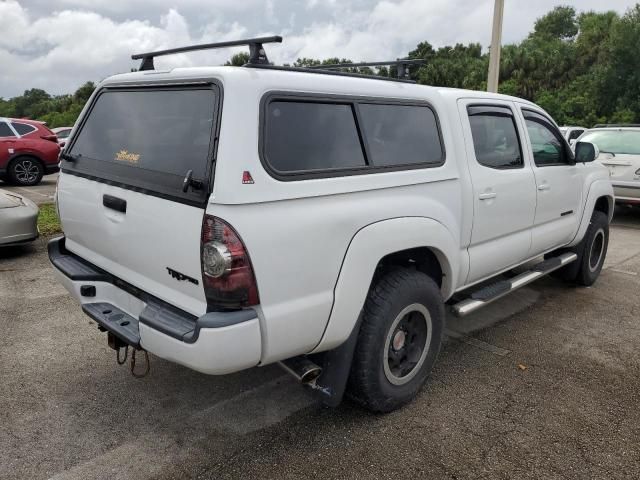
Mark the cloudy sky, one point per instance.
(59, 44)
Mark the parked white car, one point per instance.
(63, 134)
(619, 147)
(18, 219)
(231, 217)
(571, 133)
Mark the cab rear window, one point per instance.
(148, 138)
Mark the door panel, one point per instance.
(504, 189)
(558, 183)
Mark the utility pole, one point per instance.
(494, 53)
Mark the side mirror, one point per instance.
(586, 152)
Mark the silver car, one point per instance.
(18, 219)
(619, 147)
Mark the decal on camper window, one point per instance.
(125, 156)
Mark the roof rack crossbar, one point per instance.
(401, 64)
(257, 55)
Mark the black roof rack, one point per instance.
(258, 59)
(401, 64)
(326, 72)
(605, 125)
(257, 55)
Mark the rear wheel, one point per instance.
(399, 340)
(25, 171)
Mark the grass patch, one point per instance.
(48, 221)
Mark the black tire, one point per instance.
(25, 171)
(581, 271)
(401, 300)
(594, 249)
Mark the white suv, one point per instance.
(231, 217)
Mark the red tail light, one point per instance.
(52, 137)
(227, 274)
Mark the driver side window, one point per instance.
(546, 142)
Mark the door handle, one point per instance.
(544, 186)
(114, 203)
(487, 196)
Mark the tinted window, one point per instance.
(495, 138)
(303, 136)
(400, 134)
(547, 143)
(23, 128)
(5, 131)
(615, 141)
(575, 134)
(165, 131)
(63, 133)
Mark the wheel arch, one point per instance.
(421, 242)
(19, 155)
(600, 197)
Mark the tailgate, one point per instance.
(121, 198)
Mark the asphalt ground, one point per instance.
(542, 384)
(39, 194)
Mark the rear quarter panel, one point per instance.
(297, 233)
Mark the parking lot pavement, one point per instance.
(542, 384)
(39, 194)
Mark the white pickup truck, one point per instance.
(231, 217)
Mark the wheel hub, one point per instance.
(26, 171)
(399, 340)
(407, 344)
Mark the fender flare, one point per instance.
(597, 189)
(368, 246)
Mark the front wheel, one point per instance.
(399, 340)
(595, 244)
(25, 171)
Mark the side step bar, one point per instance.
(499, 289)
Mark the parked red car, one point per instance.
(28, 151)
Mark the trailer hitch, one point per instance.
(145, 372)
(117, 344)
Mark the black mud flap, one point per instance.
(336, 367)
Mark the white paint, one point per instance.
(314, 244)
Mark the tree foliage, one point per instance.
(57, 111)
(582, 68)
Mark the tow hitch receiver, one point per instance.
(122, 333)
(117, 344)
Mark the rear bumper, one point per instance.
(51, 168)
(215, 343)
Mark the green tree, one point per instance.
(559, 23)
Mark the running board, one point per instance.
(499, 289)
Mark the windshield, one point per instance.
(615, 141)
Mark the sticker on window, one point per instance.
(125, 156)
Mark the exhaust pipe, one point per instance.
(302, 369)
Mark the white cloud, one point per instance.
(59, 44)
